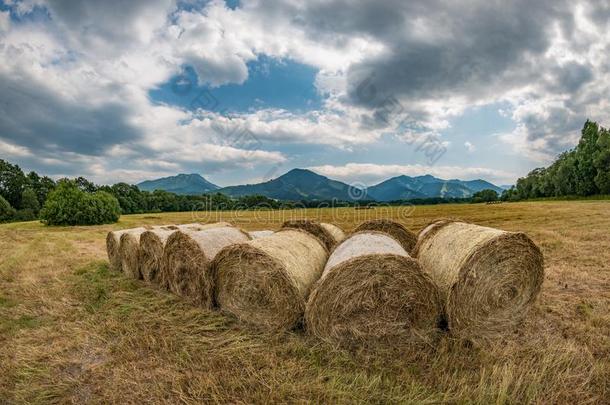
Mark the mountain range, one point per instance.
(302, 184)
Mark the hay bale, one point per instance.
(187, 257)
(266, 281)
(329, 234)
(488, 277)
(372, 291)
(129, 250)
(113, 243)
(405, 237)
(260, 234)
(152, 243)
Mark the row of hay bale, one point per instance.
(381, 283)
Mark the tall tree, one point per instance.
(602, 163)
(12, 182)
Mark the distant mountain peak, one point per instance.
(427, 186)
(304, 184)
(183, 183)
(295, 185)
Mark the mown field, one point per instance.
(73, 332)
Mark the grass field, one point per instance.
(71, 331)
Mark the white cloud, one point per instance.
(75, 89)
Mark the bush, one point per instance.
(7, 212)
(24, 215)
(69, 205)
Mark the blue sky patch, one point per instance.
(271, 84)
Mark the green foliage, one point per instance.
(29, 201)
(602, 163)
(68, 204)
(6, 211)
(582, 171)
(486, 195)
(42, 186)
(12, 182)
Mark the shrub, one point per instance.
(26, 214)
(69, 205)
(7, 212)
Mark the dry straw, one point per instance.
(396, 230)
(260, 234)
(266, 281)
(152, 245)
(372, 291)
(113, 244)
(329, 234)
(129, 250)
(187, 257)
(488, 277)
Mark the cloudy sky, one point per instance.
(241, 91)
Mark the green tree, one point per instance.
(70, 205)
(42, 186)
(130, 198)
(584, 156)
(12, 182)
(602, 163)
(29, 206)
(486, 195)
(29, 201)
(7, 212)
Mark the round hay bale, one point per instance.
(266, 282)
(489, 278)
(405, 237)
(372, 291)
(329, 234)
(187, 257)
(152, 243)
(113, 244)
(129, 250)
(260, 234)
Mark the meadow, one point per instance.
(72, 331)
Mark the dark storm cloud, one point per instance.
(571, 77)
(34, 117)
(473, 50)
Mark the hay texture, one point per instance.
(152, 244)
(405, 237)
(113, 244)
(488, 277)
(260, 234)
(266, 282)
(130, 252)
(329, 234)
(372, 291)
(187, 257)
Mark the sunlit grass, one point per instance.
(73, 331)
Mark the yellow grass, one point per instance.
(71, 331)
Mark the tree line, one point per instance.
(582, 171)
(26, 197)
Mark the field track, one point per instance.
(72, 331)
